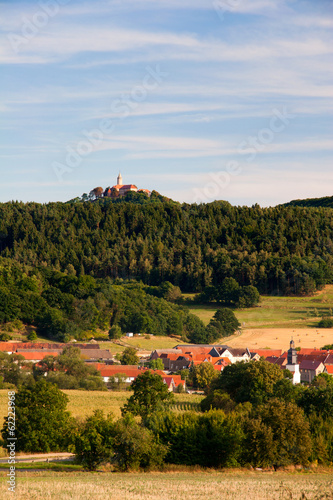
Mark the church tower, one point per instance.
(292, 364)
(292, 354)
(119, 180)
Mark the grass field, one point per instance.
(83, 403)
(231, 485)
(278, 312)
(142, 343)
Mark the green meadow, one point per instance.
(277, 312)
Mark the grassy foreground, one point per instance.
(45, 485)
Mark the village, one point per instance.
(304, 363)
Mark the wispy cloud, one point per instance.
(226, 74)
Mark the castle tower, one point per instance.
(119, 180)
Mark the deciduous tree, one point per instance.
(150, 392)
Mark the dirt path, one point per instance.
(40, 457)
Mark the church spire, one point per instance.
(119, 179)
(292, 354)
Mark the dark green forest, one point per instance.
(64, 306)
(73, 269)
(280, 250)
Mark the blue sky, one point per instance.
(198, 99)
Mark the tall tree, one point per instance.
(42, 422)
(149, 394)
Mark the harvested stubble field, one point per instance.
(280, 338)
(231, 485)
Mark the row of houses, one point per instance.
(185, 356)
(305, 364)
(310, 362)
(36, 352)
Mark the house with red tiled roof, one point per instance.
(221, 363)
(34, 356)
(310, 369)
(312, 351)
(236, 355)
(329, 369)
(45, 346)
(130, 372)
(173, 382)
(265, 353)
(144, 191)
(328, 360)
(186, 355)
(281, 362)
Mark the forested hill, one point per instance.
(286, 250)
(327, 201)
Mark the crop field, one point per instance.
(231, 485)
(83, 403)
(274, 338)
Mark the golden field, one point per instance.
(279, 338)
(83, 403)
(231, 485)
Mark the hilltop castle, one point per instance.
(122, 189)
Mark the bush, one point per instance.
(156, 364)
(93, 444)
(115, 332)
(135, 446)
(212, 439)
(4, 337)
(32, 336)
(325, 323)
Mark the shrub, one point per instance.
(325, 323)
(93, 444)
(135, 446)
